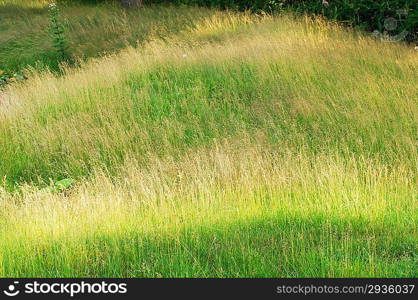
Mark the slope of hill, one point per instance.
(90, 30)
(241, 146)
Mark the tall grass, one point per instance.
(242, 146)
(231, 210)
(368, 14)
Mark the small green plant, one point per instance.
(62, 185)
(4, 77)
(56, 29)
(8, 77)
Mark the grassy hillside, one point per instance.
(239, 146)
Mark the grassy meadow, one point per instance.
(228, 145)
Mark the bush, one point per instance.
(57, 32)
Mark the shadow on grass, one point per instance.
(16, 10)
(276, 246)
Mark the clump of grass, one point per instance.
(243, 146)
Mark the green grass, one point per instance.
(269, 246)
(236, 146)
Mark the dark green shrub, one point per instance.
(57, 32)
